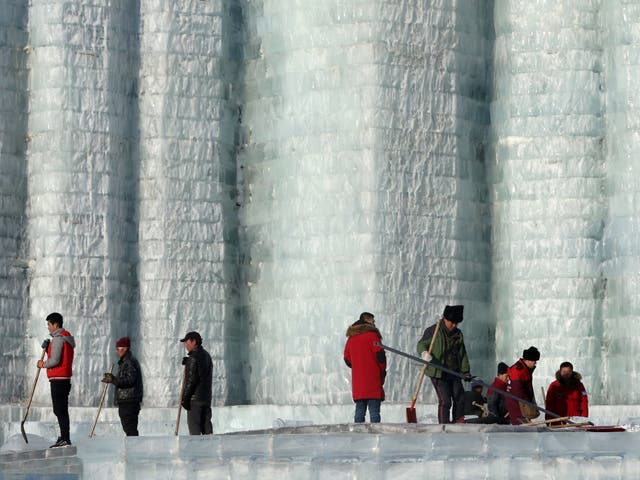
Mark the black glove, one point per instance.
(108, 378)
(184, 362)
(45, 344)
(467, 377)
(186, 404)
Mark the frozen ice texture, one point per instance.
(263, 171)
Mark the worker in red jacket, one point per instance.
(521, 385)
(368, 365)
(566, 396)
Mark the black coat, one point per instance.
(128, 382)
(198, 377)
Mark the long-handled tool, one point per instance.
(33, 389)
(184, 374)
(412, 416)
(104, 394)
(459, 375)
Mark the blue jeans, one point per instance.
(374, 410)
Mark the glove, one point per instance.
(45, 344)
(40, 364)
(108, 378)
(184, 361)
(186, 404)
(467, 377)
(426, 356)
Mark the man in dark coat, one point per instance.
(566, 396)
(368, 365)
(496, 402)
(197, 387)
(129, 388)
(521, 385)
(450, 352)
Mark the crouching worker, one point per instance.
(566, 396)
(368, 364)
(129, 390)
(496, 402)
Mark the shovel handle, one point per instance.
(424, 369)
(104, 394)
(184, 375)
(33, 388)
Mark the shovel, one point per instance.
(184, 374)
(412, 417)
(33, 389)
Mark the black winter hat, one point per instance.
(502, 368)
(531, 353)
(453, 313)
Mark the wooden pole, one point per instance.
(104, 394)
(33, 389)
(184, 374)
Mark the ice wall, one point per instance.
(364, 178)
(80, 179)
(547, 177)
(621, 252)
(262, 171)
(187, 209)
(13, 196)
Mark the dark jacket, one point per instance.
(471, 397)
(367, 361)
(496, 403)
(448, 350)
(128, 382)
(567, 398)
(199, 377)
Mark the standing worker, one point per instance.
(521, 385)
(129, 389)
(59, 365)
(196, 399)
(450, 352)
(368, 364)
(566, 396)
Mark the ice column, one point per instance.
(187, 209)
(546, 183)
(432, 216)
(363, 166)
(13, 197)
(80, 179)
(622, 229)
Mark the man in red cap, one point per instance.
(129, 389)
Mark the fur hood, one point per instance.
(360, 328)
(575, 379)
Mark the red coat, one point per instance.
(62, 370)
(567, 399)
(520, 385)
(367, 361)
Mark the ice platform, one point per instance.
(247, 446)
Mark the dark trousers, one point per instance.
(128, 413)
(199, 418)
(374, 410)
(60, 399)
(450, 393)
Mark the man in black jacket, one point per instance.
(196, 399)
(129, 390)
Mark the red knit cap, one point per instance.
(123, 342)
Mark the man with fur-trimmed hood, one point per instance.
(566, 395)
(368, 364)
